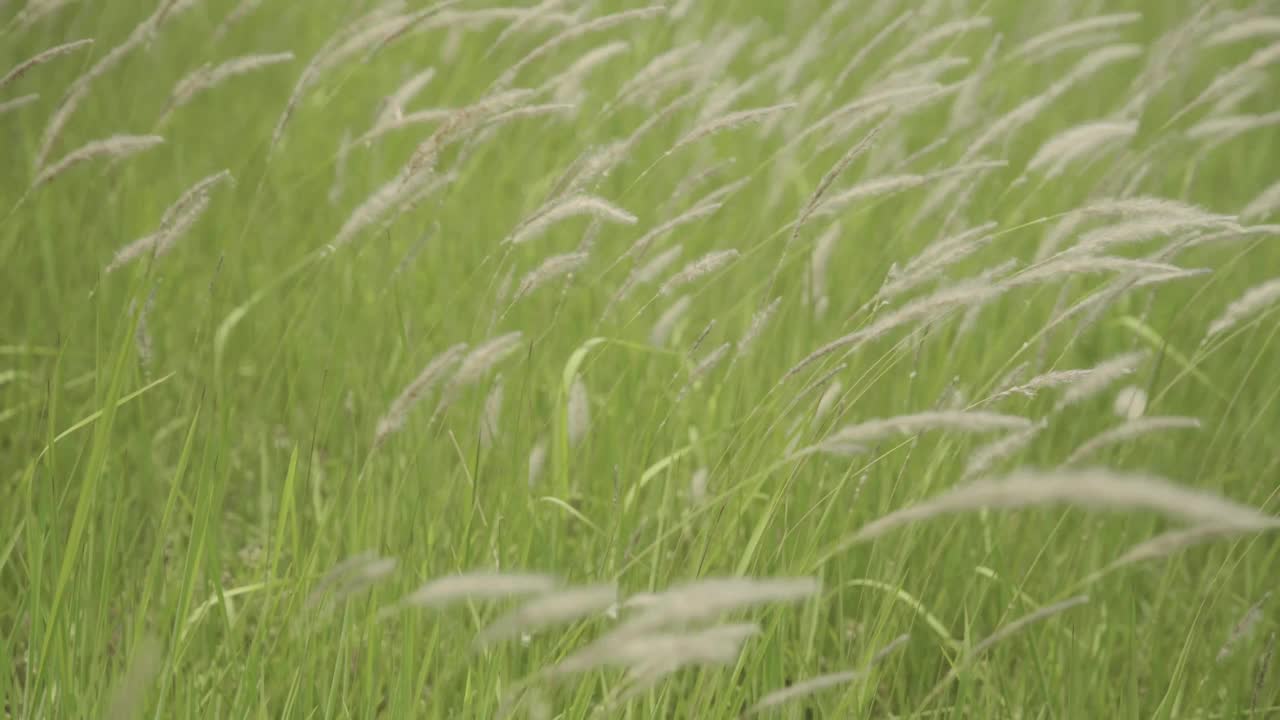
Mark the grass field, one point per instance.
(584, 358)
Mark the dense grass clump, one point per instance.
(594, 358)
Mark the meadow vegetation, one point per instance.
(595, 358)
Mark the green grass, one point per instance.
(174, 484)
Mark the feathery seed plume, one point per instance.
(41, 58)
(432, 374)
(705, 265)
(666, 322)
(1255, 299)
(479, 585)
(1128, 431)
(1090, 489)
(116, 146)
(554, 608)
(571, 207)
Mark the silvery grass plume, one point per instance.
(720, 98)
(1099, 378)
(819, 192)
(827, 402)
(575, 206)
(555, 608)
(489, 126)
(21, 101)
(649, 657)
(350, 577)
(1232, 78)
(530, 19)
(806, 688)
(1250, 87)
(857, 436)
(717, 644)
(661, 332)
(176, 221)
(568, 85)
(428, 151)
(573, 32)
(1264, 205)
(1049, 381)
(393, 420)
(724, 123)
(371, 210)
(922, 44)
(339, 184)
(1003, 633)
(537, 461)
(1130, 402)
(392, 106)
(926, 71)
(1128, 431)
(210, 76)
(869, 47)
(1244, 629)
(704, 366)
(705, 265)
(579, 412)
(1046, 41)
(79, 89)
(1168, 543)
(892, 184)
(395, 197)
(1005, 126)
(707, 599)
(694, 214)
(553, 267)
(600, 162)
(968, 107)
(985, 457)
(865, 109)
(116, 146)
(646, 273)
(415, 193)
(1081, 141)
(1170, 54)
(930, 307)
(706, 331)
(351, 40)
(662, 655)
(1145, 228)
(934, 260)
(759, 322)
(1071, 262)
(1254, 300)
(698, 485)
(479, 586)
(476, 363)
(1089, 489)
(491, 419)
(660, 65)
(242, 10)
(409, 22)
(41, 58)
(142, 340)
(1144, 205)
(418, 117)
(35, 11)
(1217, 130)
(823, 249)
(1248, 28)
